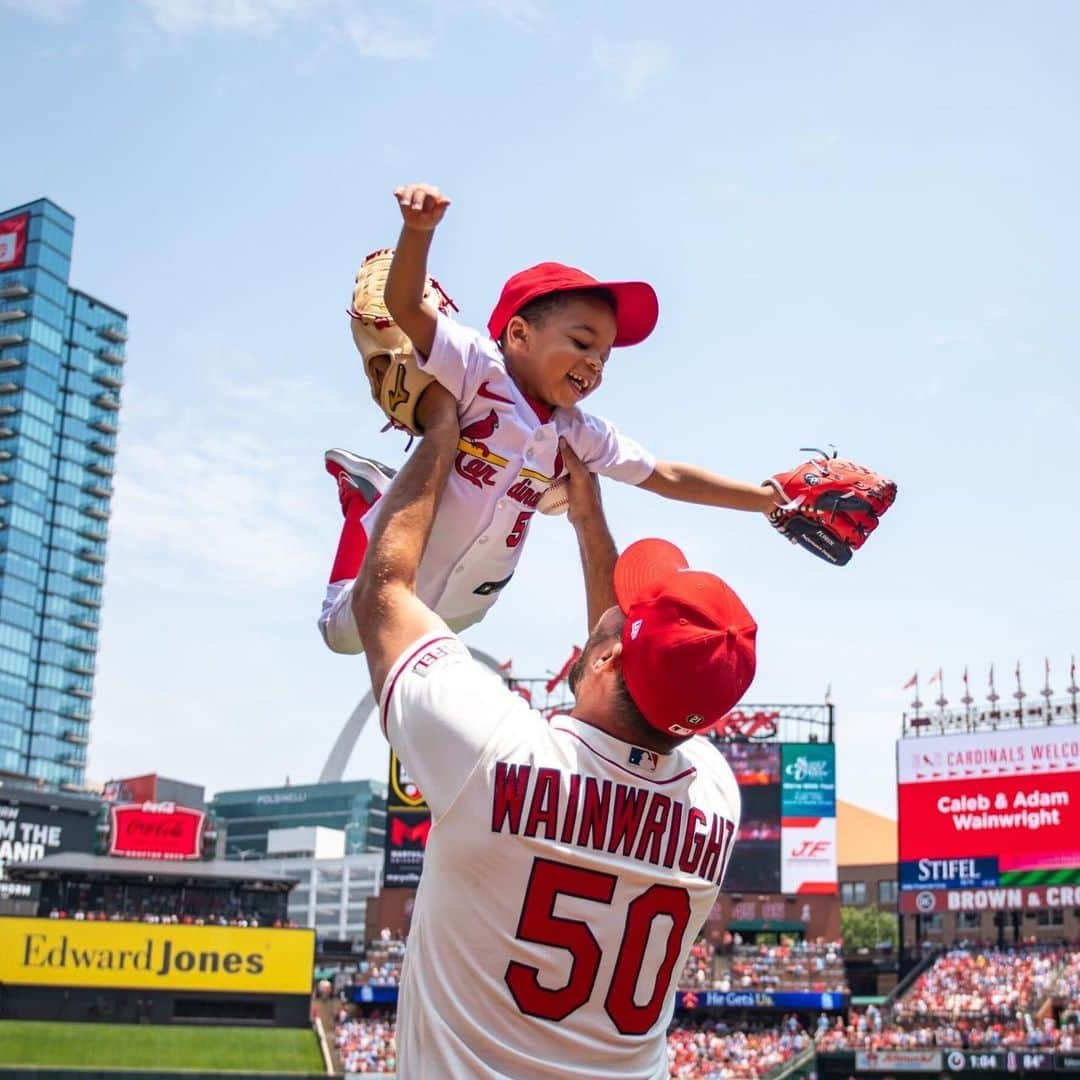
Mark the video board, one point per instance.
(787, 834)
(990, 820)
(30, 831)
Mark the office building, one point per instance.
(61, 373)
(355, 807)
(333, 888)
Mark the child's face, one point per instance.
(561, 360)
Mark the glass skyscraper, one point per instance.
(61, 372)
(357, 807)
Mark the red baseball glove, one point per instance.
(830, 506)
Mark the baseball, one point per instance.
(556, 500)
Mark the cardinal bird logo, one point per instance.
(475, 461)
(480, 430)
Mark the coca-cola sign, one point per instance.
(156, 831)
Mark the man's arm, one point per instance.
(422, 208)
(689, 483)
(595, 543)
(389, 615)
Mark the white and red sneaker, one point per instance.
(358, 477)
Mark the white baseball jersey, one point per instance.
(566, 876)
(506, 460)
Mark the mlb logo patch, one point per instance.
(644, 759)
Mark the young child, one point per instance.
(518, 394)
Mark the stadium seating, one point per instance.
(381, 965)
(977, 999)
(982, 983)
(715, 1049)
(799, 966)
(169, 917)
(365, 1044)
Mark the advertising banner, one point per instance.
(993, 808)
(29, 832)
(156, 831)
(408, 822)
(809, 780)
(759, 999)
(54, 952)
(13, 241)
(999, 898)
(898, 1061)
(809, 856)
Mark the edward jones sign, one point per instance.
(61, 952)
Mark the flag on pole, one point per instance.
(913, 681)
(936, 677)
(828, 694)
(965, 679)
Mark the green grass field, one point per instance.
(139, 1046)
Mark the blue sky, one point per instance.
(861, 220)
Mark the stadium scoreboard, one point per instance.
(787, 835)
(990, 820)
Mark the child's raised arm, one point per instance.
(422, 208)
(689, 483)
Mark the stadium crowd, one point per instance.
(816, 966)
(732, 1050)
(239, 919)
(720, 1049)
(983, 982)
(977, 998)
(365, 1044)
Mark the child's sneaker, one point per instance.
(358, 476)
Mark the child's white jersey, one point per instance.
(508, 455)
(566, 876)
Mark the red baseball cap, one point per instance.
(636, 306)
(688, 651)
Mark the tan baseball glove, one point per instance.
(389, 358)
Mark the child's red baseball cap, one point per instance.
(636, 306)
(688, 644)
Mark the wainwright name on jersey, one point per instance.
(566, 876)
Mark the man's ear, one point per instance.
(607, 655)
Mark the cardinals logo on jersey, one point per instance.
(475, 461)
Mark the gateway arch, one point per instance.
(344, 745)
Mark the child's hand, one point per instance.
(422, 206)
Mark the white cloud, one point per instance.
(633, 65)
(384, 38)
(220, 491)
(54, 10)
(515, 12)
(253, 16)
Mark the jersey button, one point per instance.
(482, 540)
(458, 569)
